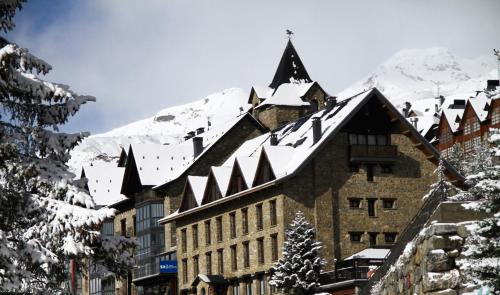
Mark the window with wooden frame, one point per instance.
(234, 261)
(389, 203)
(208, 232)
(195, 236)
(244, 220)
(354, 203)
(246, 254)
(355, 236)
(446, 136)
(218, 224)
(232, 224)
(184, 240)
(208, 262)
(259, 217)
(272, 212)
(274, 247)
(495, 116)
(220, 261)
(390, 238)
(260, 250)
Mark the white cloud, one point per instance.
(138, 57)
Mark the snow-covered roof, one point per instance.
(248, 166)
(222, 176)
(158, 164)
(104, 181)
(289, 94)
(370, 253)
(263, 92)
(424, 123)
(453, 116)
(479, 104)
(198, 186)
(295, 143)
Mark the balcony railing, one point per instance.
(373, 153)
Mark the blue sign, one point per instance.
(168, 266)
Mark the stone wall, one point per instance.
(428, 263)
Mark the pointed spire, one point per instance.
(290, 68)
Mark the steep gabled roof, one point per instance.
(297, 147)
(104, 182)
(290, 68)
(480, 104)
(235, 173)
(218, 177)
(194, 188)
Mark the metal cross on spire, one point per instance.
(289, 33)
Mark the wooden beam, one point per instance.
(419, 144)
(394, 119)
(406, 131)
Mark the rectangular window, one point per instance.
(220, 261)
(244, 220)
(260, 250)
(184, 270)
(272, 213)
(371, 207)
(475, 125)
(372, 139)
(234, 262)
(246, 254)
(495, 116)
(232, 224)
(390, 238)
(369, 173)
(123, 227)
(446, 136)
(354, 203)
(355, 236)
(468, 146)
(262, 285)
(274, 247)
(195, 236)
(249, 287)
(184, 240)
(108, 228)
(373, 239)
(218, 222)
(196, 266)
(388, 203)
(208, 233)
(208, 261)
(258, 213)
(382, 140)
(467, 127)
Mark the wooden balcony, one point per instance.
(373, 154)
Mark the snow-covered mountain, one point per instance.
(412, 74)
(168, 126)
(409, 75)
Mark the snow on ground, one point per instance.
(168, 126)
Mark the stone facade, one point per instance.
(322, 190)
(428, 264)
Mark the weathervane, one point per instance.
(289, 33)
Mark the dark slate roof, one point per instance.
(290, 66)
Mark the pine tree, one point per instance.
(481, 262)
(443, 188)
(299, 268)
(46, 217)
(456, 158)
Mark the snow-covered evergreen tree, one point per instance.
(299, 268)
(456, 158)
(442, 187)
(46, 217)
(481, 263)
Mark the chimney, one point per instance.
(406, 110)
(492, 85)
(316, 126)
(331, 101)
(274, 139)
(458, 104)
(200, 130)
(197, 146)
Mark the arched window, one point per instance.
(203, 291)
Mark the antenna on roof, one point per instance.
(289, 33)
(437, 83)
(497, 53)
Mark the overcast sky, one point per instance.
(138, 57)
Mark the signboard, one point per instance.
(168, 266)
